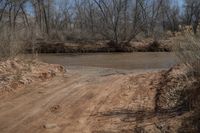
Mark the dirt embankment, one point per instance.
(147, 45)
(152, 103)
(16, 73)
(178, 91)
(99, 102)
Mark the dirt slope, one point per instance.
(86, 102)
(19, 72)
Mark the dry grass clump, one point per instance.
(10, 48)
(188, 51)
(13, 43)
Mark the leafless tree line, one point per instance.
(119, 21)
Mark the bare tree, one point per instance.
(192, 13)
(118, 21)
(115, 18)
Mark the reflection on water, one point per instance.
(128, 61)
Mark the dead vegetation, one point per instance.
(178, 92)
(119, 22)
(138, 45)
(174, 86)
(188, 52)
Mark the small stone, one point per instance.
(50, 126)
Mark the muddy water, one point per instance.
(127, 61)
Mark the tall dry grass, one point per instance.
(188, 51)
(9, 44)
(14, 43)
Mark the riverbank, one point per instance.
(97, 100)
(141, 45)
(19, 72)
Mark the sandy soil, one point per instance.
(86, 101)
(16, 73)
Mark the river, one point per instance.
(124, 61)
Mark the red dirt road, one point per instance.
(82, 102)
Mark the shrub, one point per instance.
(188, 51)
(13, 43)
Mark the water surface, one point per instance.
(126, 61)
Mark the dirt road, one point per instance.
(82, 102)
